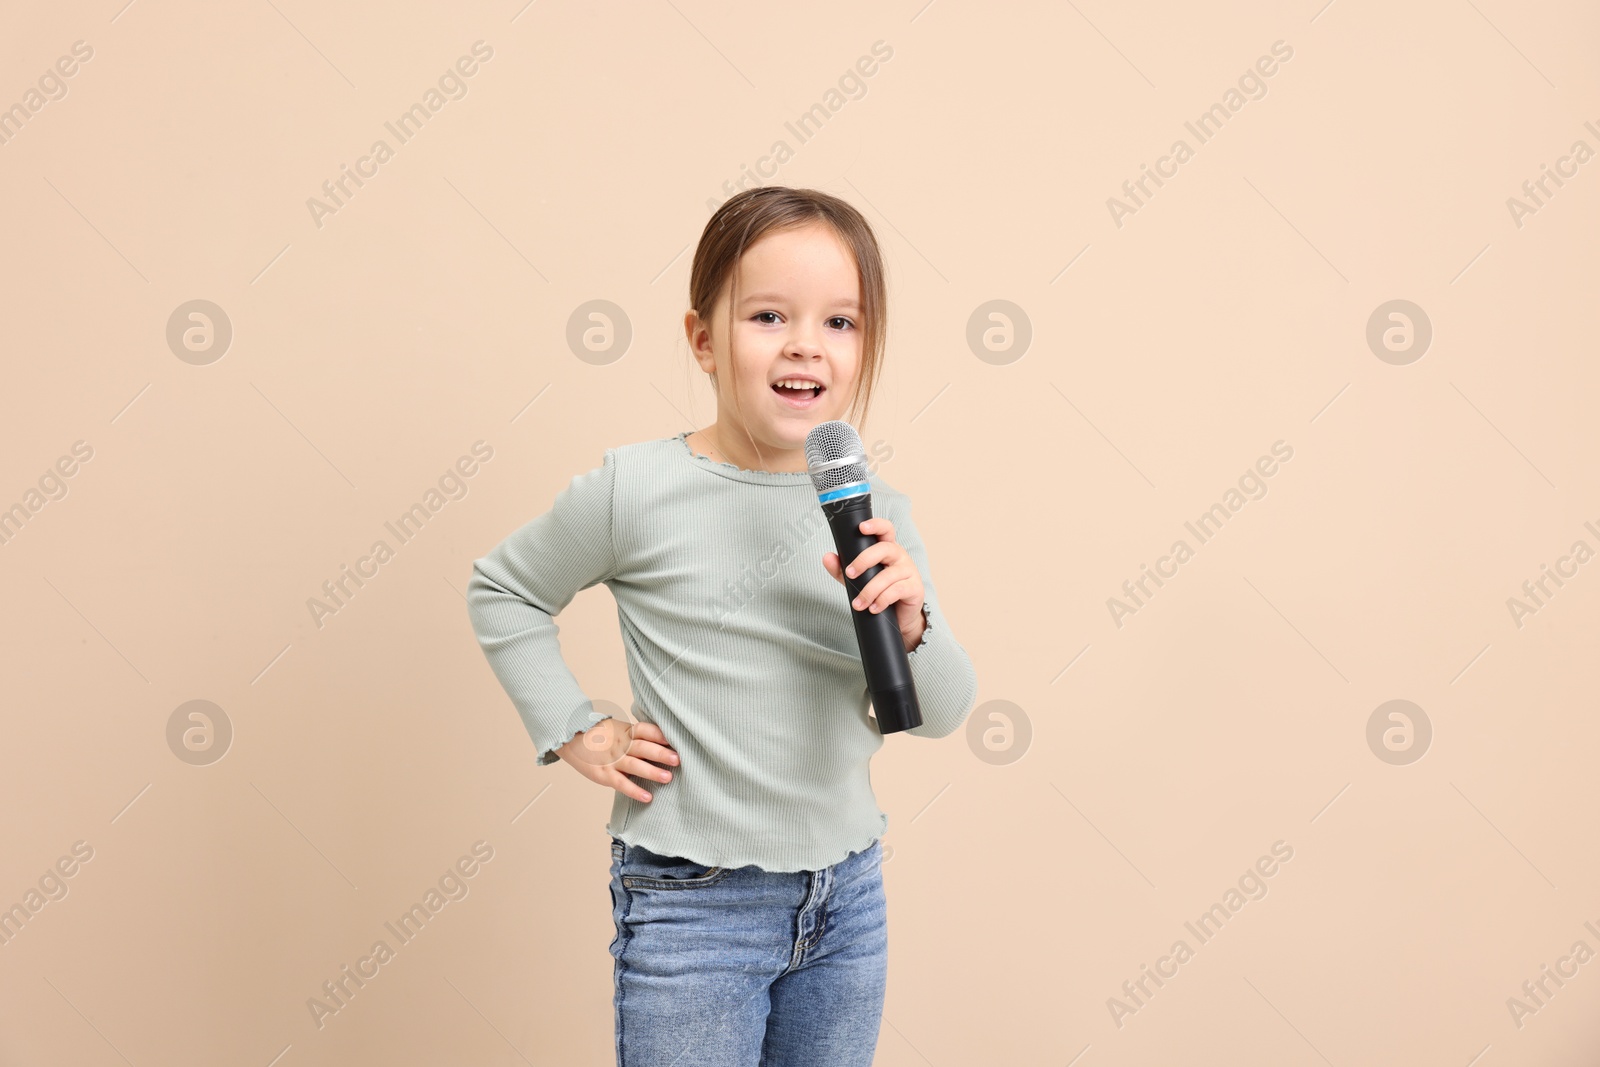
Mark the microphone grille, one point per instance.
(829, 442)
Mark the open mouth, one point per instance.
(799, 398)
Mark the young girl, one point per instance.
(746, 883)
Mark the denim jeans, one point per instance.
(743, 967)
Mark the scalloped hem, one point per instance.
(737, 860)
(927, 629)
(733, 470)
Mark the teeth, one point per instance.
(795, 383)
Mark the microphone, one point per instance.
(838, 467)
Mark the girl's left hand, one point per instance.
(898, 583)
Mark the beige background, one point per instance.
(1135, 773)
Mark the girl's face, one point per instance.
(798, 316)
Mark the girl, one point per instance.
(746, 882)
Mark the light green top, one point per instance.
(740, 647)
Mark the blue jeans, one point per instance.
(743, 967)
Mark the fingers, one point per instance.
(830, 563)
(886, 588)
(643, 768)
(653, 741)
(628, 787)
(880, 526)
(649, 750)
(883, 589)
(896, 569)
(882, 552)
(884, 529)
(649, 731)
(650, 743)
(633, 765)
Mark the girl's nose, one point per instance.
(804, 342)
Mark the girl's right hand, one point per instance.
(610, 750)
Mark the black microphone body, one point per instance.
(883, 650)
(838, 469)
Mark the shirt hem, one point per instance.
(736, 860)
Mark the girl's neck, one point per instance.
(716, 442)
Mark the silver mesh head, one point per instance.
(834, 455)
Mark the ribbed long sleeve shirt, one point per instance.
(740, 647)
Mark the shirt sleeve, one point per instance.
(523, 582)
(946, 683)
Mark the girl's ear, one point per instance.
(699, 341)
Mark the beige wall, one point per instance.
(1124, 769)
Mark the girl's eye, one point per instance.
(840, 322)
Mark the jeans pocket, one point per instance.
(643, 869)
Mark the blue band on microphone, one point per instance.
(844, 491)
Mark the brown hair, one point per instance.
(748, 216)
